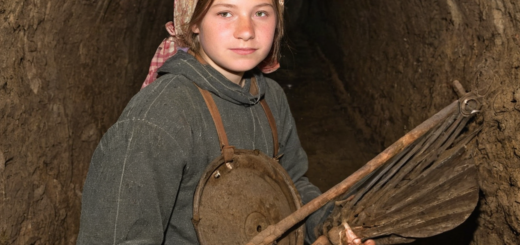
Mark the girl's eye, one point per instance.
(224, 14)
(260, 14)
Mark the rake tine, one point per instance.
(271, 234)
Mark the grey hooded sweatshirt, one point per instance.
(144, 172)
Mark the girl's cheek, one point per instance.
(267, 30)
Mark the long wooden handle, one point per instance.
(273, 232)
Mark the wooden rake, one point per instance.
(419, 186)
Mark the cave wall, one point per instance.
(67, 68)
(397, 60)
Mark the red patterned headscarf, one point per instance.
(182, 12)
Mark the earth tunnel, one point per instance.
(358, 75)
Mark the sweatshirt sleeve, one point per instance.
(295, 161)
(132, 184)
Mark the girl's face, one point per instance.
(236, 35)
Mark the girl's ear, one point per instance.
(195, 29)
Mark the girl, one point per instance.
(143, 174)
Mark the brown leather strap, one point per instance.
(272, 123)
(253, 88)
(227, 150)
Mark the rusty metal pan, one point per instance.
(237, 200)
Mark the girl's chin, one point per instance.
(238, 68)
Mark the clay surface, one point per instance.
(397, 61)
(68, 68)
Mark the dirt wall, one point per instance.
(67, 68)
(397, 60)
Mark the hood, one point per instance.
(206, 77)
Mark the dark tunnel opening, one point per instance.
(358, 76)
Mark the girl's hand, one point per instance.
(342, 235)
(353, 239)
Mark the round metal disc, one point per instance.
(237, 200)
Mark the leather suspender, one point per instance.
(228, 150)
(253, 89)
(272, 123)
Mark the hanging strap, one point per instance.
(226, 149)
(272, 123)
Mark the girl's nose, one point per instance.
(245, 29)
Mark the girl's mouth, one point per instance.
(243, 51)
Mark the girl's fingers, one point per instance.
(369, 242)
(352, 238)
